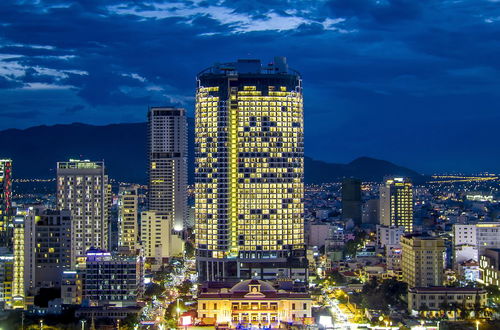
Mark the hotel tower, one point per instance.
(6, 203)
(396, 203)
(249, 178)
(168, 163)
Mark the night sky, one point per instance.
(414, 82)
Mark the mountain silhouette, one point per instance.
(36, 150)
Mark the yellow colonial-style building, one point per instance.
(254, 302)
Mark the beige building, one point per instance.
(158, 241)
(128, 226)
(432, 301)
(396, 203)
(422, 260)
(254, 302)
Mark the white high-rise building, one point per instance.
(168, 163)
(83, 189)
(396, 203)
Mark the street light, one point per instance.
(83, 324)
(477, 324)
(41, 324)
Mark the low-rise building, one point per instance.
(469, 271)
(112, 279)
(71, 287)
(489, 267)
(393, 257)
(254, 302)
(432, 301)
(389, 235)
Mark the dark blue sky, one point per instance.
(415, 82)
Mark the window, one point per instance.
(304, 306)
(293, 307)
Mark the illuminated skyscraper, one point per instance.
(82, 188)
(6, 202)
(128, 226)
(18, 281)
(396, 203)
(249, 178)
(168, 163)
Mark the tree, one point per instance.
(153, 289)
(189, 249)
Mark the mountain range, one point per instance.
(123, 147)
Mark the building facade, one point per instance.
(389, 235)
(128, 218)
(422, 260)
(249, 176)
(48, 247)
(479, 236)
(489, 267)
(157, 239)
(254, 302)
(396, 203)
(168, 163)
(6, 203)
(20, 263)
(430, 301)
(83, 189)
(351, 200)
(71, 287)
(6, 279)
(112, 279)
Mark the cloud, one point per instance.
(396, 59)
(74, 109)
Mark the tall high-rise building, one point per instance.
(422, 260)
(351, 200)
(168, 163)
(396, 203)
(249, 178)
(128, 225)
(6, 202)
(20, 264)
(83, 189)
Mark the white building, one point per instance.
(168, 163)
(389, 235)
(482, 236)
(82, 188)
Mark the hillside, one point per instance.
(36, 150)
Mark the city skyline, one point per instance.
(369, 67)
